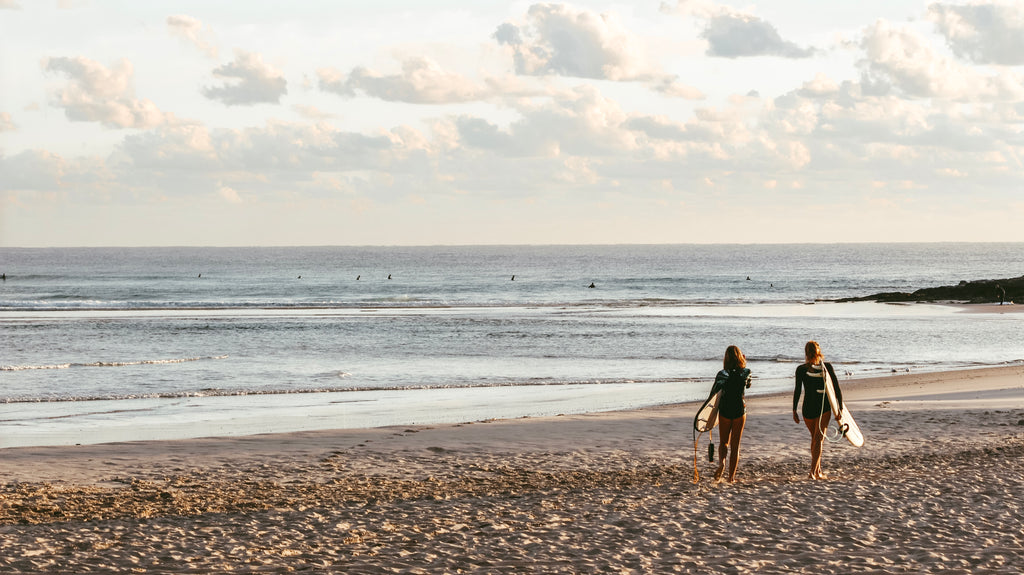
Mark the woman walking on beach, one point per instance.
(732, 381)
(810, 377)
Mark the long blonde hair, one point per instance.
(812, 353)
(734, 358)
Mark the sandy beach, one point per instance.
(935, 489)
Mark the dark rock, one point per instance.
(978, 291)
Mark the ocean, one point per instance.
(112, 344)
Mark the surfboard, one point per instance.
(707, 415)
(844, 419)
(705, 420)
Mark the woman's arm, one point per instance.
(796, 394)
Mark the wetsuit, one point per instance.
(810, 379)
(733, 386)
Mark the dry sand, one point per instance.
(936, 489)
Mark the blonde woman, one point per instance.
(817, 412)
(733, 381)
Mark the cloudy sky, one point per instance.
(488, 122)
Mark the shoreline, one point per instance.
(100, 421)
(599, 492)
(981, 388)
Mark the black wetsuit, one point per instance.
(733, 385)
(810, 379)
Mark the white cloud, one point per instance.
(43, 172)
(820, 86)
(422, 81)
(6, 124)
(35, 170)
(248, 80)
(903, 60)
(312, 112)
(279, 153)
(105, 95)
(191, 30)
(673, 88)
(560, 40)
(732, 33)
(230, 195)
(737, 35)
(983, 32)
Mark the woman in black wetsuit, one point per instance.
(733, 381)
(817, 413)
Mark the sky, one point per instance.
(439, 122)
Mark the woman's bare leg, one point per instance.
(817, 428)
(724, 432)
(735, 434)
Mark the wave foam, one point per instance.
(109, 363)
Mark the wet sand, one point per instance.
(935, 489)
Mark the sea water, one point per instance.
(145, 343)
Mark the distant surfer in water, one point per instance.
(732, 381)
(816, 410)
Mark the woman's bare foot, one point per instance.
(719, 472)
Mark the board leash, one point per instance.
(711, 450)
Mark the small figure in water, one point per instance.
(357, 278)
(591, 285)
(513, 277)
(389, 276)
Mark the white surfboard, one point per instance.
(844, 419)
(707, 415)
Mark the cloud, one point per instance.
(35, 170)
(6, 124)
(105, 95)
(312, 112)
(560, 40)
(41, 171)
(982, 32)
(230, 195)
(277, 148)
(671, 87)
(736, 35)
(422, 81)
(254, 82)
(903, 60)
(191, 29)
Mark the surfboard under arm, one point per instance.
(707, 415)
(844, 419)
